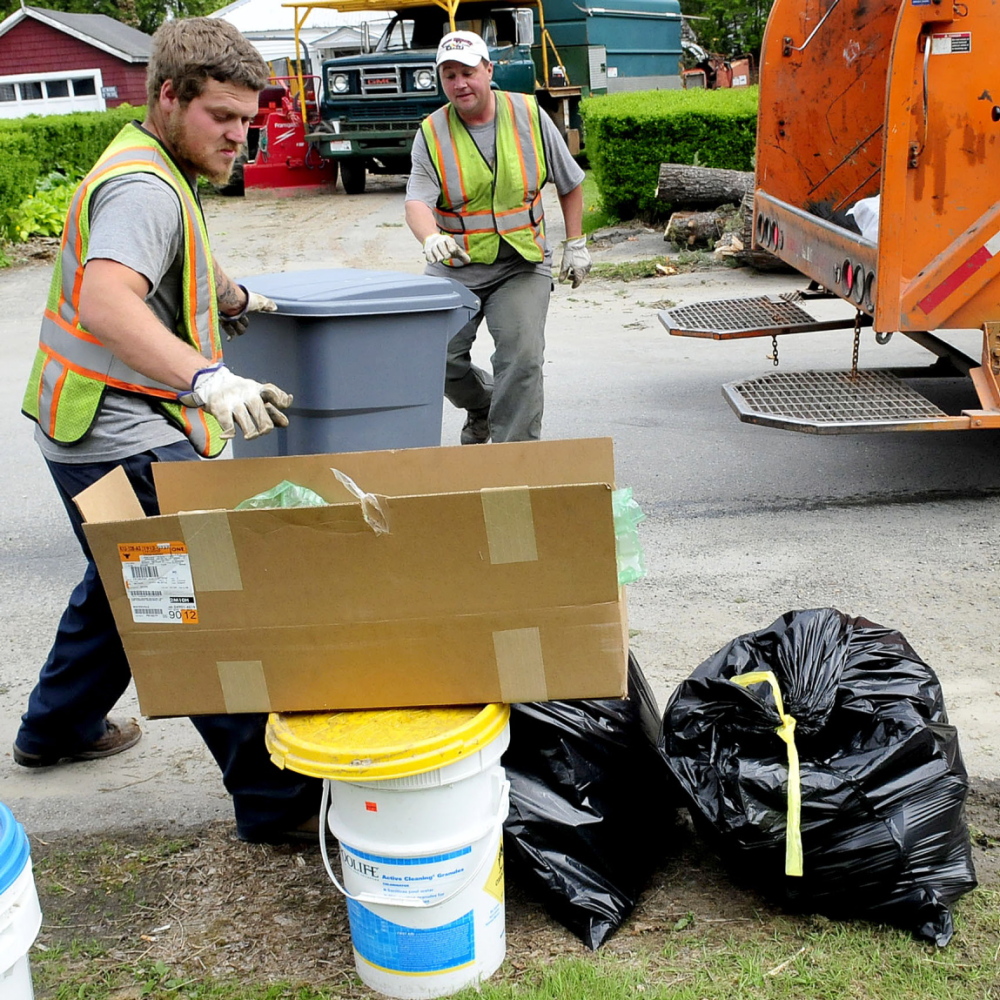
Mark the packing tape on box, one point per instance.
(520, 665)
(510, 526)
(244, 686)
(209, 541)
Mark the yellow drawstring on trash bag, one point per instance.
(793, 823)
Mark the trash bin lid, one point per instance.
(390, 743)
(14, 848)
(347, 291)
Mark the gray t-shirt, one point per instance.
(134, 220)
(424, 186)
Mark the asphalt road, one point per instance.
(743, 523)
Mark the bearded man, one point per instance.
(129, 372)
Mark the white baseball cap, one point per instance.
(465, 47)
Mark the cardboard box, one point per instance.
(496, 581)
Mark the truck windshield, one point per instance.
(410, 33)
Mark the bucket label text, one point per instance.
(428, 878)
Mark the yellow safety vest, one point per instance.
(479, 206)
(72, 368)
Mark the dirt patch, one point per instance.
(209, 905)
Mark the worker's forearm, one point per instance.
(420, 219)
(113, 309)
(230, 296)
(572, 211)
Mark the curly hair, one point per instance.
(191, 50)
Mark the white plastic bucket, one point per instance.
(20, 915)
(416, 799)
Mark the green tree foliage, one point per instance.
(730, 27)
(146, 15)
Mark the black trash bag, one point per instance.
(587, 805)
(882, 779)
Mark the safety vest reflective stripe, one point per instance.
(489, 222)
(72, 367)
(527, 137)
(441, 145)
(477, 205)
(89, 357)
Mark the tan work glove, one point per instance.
(438, 247)
(253, 406)
(576, 262)
(233, 326)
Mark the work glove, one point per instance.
(576, 262)
(254, 406)
(439, 247)
(235, 325)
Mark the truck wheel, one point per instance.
(352, 176)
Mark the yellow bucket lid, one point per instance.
(388, 743)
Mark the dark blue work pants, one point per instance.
(87, 672)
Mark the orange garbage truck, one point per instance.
(877, 177)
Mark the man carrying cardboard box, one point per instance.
(129, 372)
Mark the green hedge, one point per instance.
(629, 135)
(19, 171)
(35, 146)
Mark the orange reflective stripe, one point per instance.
(75, 331)
(205, 435)
(78, 369)
(458, 160)
(442, 174)
(56, 393)
(517, 145)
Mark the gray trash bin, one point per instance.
(363, 353)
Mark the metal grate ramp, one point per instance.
(728, 319)
(836, 402)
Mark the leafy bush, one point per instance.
(18, 174)
(70, 143)
(37, 146)
(629, 135)
(44, 212)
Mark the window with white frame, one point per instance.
(51, 93)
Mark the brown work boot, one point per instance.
(120, 735)
(477, 426)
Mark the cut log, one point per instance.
(695, 229)
(685, 186)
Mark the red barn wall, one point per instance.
(32, 47)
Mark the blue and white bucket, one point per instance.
(416, 799)
(20, 915)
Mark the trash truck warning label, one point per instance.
(158, 582)
(948, 43)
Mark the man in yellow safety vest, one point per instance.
(474, 201)
(129, 372)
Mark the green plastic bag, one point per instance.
(627, 515)
(285, 494)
